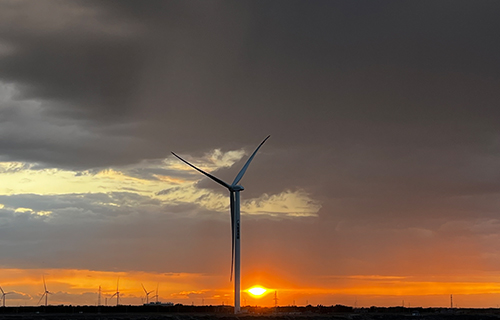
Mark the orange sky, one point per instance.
(81, 287)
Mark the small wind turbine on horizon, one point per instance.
(99, 293)
(156, 295)
(234, 197)
(3, 296)
(117, 293)
(147, 293)
(45, 293)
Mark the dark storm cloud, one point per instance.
(388, 102)
(29, 134)
(71, 53)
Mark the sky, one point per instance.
(380, 182)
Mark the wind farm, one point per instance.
(130, 129)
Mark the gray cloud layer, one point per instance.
(382, 111)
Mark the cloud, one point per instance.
(13, 295)
(414, 123)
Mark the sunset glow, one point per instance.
(81, 286)
(257, 291)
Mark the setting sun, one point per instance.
(257, 291)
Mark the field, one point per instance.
(180, 312)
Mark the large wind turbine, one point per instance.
(234, 196)
(45, 293)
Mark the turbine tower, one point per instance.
(3, 296)
(234, 197)
(117, 293)
(147, 293)
(99, 297)
(45, 293)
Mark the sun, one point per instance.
(257, 291)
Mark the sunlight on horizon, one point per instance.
(257, 291)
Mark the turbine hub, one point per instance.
(237, 188)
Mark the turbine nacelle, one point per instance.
(236, 188)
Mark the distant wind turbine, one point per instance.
(147, 293)
(3, 296)
(99, 293)
(117, 293)
(45, 293)
(234, 197)
(156, 295)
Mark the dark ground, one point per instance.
(180, 312)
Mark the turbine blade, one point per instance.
(113, 295)
(44, 286)
(232, 234)
(214, 178)
(43, 295)
(144, 288)
(245, 167)
(2, 290)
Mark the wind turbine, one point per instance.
(99, 297)
(45, 293)
(3, 296)
(234, 197)
(156, 295)
(147, 293)
(117, 293)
